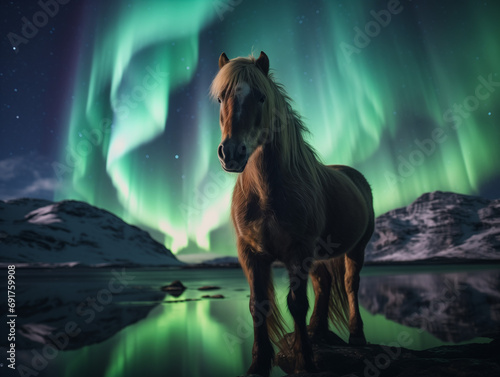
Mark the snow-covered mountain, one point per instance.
(44, 233)
(438, 225)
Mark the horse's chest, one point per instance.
(268, 226)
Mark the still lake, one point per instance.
(118, 322)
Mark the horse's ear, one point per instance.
(263, 63)
(223, 60)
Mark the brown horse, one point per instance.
(289, 207)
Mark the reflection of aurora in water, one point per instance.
(152, 63)
(199, 339)
(200, 344)
(213, 338)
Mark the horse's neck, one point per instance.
(269, 169)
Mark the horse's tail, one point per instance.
(338, 306)
(275, 322)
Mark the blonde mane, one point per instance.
(285, 124)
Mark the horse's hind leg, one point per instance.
(322, 281)
(353, 264)
(258, 273)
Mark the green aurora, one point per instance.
(414, 107)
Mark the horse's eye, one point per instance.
(262, 99)
(218, 99)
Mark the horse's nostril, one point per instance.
(243, 149)
(220, 152)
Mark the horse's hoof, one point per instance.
(257, 372)
(308, 370)
(357, 341)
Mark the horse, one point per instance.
(289, 207)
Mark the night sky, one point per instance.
(107, 101)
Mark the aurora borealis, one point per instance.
(407, 92)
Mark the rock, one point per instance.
(438, 226)
(180, 301)
(175, 288)
(213, 296)
(208, 288)
(333, 357)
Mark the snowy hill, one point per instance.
(438, 225)
(208, 259)
(44, 233)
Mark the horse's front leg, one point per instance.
(258, 273)
(298, 305)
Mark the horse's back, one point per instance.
(358, 179)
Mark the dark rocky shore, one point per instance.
(334, 358)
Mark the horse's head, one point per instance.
(241, 109)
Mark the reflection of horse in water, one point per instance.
(285, 203)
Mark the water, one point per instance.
(119, 322)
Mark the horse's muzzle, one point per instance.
(233, 158)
